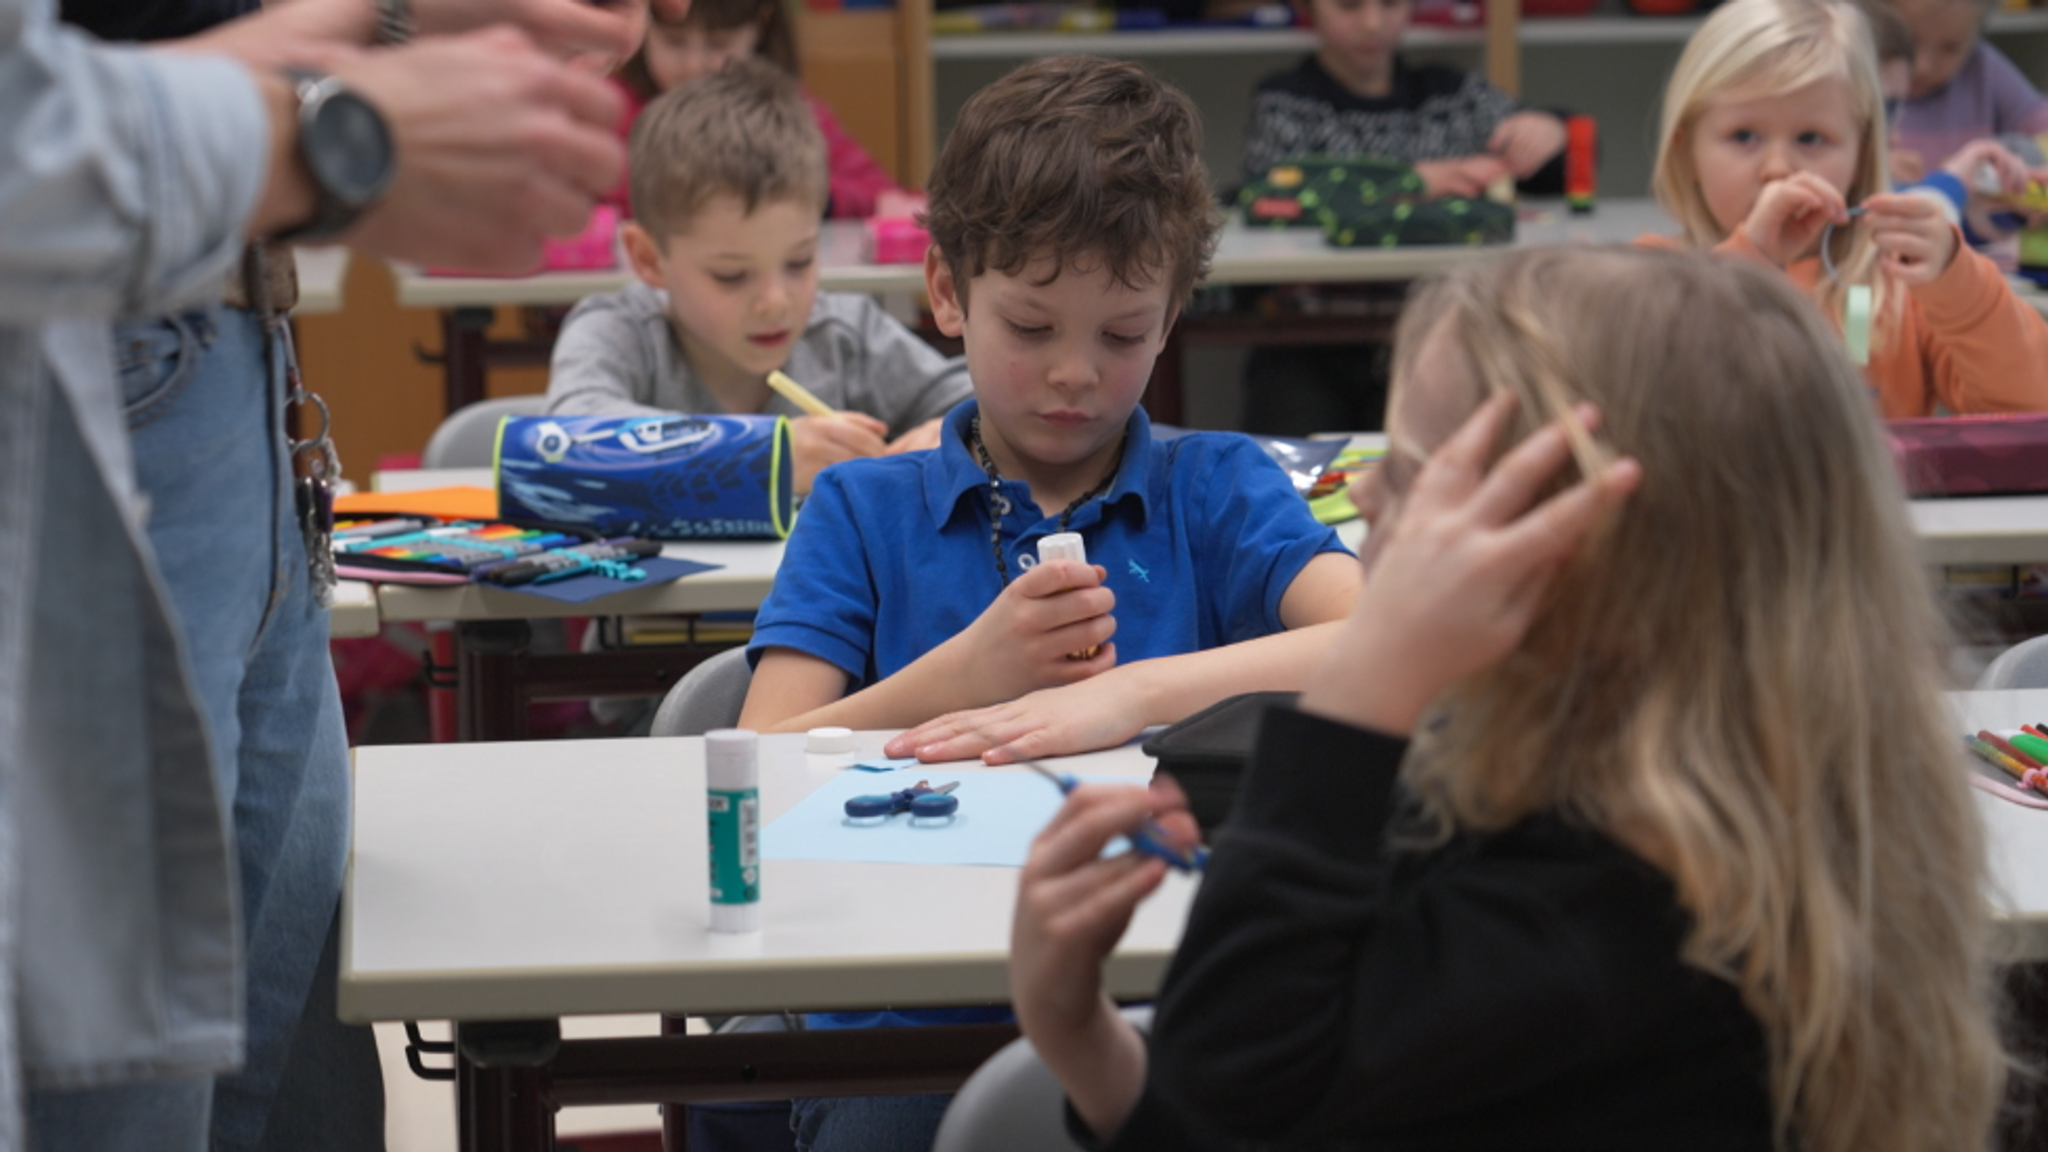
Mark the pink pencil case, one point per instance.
(897, 240)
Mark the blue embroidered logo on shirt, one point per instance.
(1139, 572)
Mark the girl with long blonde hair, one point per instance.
(1625, 814)
(1773, 148)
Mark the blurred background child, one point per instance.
(1356, 95)
(1773, 128)
(1961, 89)
(716, 32)
(728, 183)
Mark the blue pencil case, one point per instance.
(670, 477)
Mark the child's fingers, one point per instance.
(1093, 815)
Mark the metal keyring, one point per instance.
(1827, 236)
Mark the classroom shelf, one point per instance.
(1536, 31)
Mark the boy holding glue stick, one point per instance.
(1070, 218)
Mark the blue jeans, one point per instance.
(867, 1123)
(205, 411)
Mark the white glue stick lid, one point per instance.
(732, 759)
(1063, 546)
(826, 741)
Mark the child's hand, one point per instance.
(1971, 159)
(1914, 240)
(1786, 221)
(1024, 641)
(1462, 571)
(1062, 721)
(925, 435)
(1465, 176)
(1072, 907)
(817, 442)
(1527, 141)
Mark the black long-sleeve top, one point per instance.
(1514, 990)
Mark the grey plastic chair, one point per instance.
(1013, 1103)
(708, 696)
(469, 436)
(2024, 665)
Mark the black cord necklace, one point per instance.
(999, 504)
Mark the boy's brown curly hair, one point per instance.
(1073, 160)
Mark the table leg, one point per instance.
(490, 701)
(501, 1080)
(465, 354)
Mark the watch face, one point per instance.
(349, 149)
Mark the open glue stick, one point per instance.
(1067, 546)
(732, 795)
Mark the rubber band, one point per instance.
(1856, 324)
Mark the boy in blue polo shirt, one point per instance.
(1070, 218)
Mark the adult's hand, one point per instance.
(499, 145)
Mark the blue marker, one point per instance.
(1148, 838)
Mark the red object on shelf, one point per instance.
(1558, 7)
(1662, 7)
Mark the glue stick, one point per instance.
(1581, 153)
(1068, 546)
(732, 782)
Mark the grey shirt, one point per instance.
(618, 356)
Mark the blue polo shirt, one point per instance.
(891, 557)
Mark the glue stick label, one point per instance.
(735, 845)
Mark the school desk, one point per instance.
(321, 273)
(504, 886)
(1243, 256)
(353, 611)
(497, 674)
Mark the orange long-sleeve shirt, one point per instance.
(1962, 340)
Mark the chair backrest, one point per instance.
(708, 696)
(469, 436)
(2024, 665)
(1013, 1103)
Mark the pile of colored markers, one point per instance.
(504, 554)
(2022, 755)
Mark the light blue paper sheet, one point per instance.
(999, 814)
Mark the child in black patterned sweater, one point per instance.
(1356, 96)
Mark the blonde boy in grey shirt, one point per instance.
(728, 189)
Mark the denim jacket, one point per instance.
(125, 177)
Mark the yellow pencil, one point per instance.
(799, 395)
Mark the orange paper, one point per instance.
(459, 502)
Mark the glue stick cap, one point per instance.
(1063, 546)
(732, 759)
(828, 741)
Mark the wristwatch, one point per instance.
(347, 149)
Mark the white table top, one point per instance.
(321, 274)
(842, 267)
(1243, 256)
(495, 881)
(498, 881)
(353, 613)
